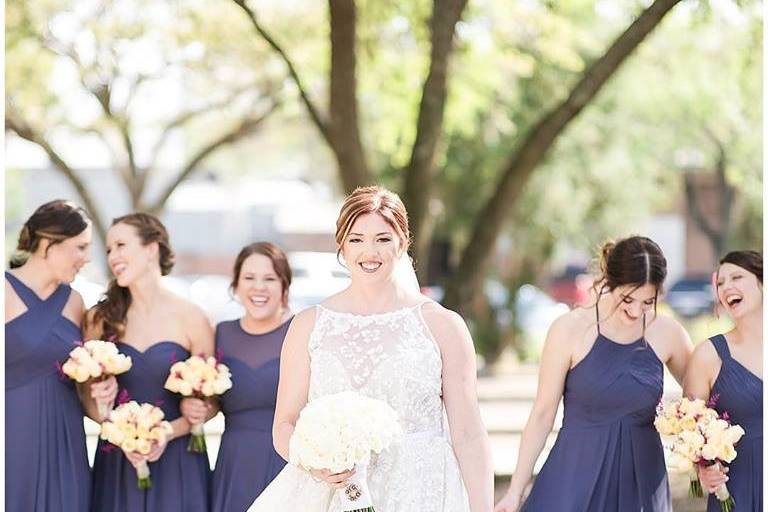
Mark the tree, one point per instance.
(341, 130)
(92, 73)
(419, 175)
(534, 148)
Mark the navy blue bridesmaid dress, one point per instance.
(740, 394)
(608, 456)
(46, 462)
(247, 461)
(180, 478)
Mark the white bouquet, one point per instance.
(135, 427)
(698, 436)
(200, 378)
(338, 432)
(96, 359)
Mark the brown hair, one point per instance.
(373, 199)
(110, 313)
(275, 255)
(751, 261)
(54, 221)
(634, 261)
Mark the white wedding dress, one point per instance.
(392, 357)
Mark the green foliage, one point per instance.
(697, 79)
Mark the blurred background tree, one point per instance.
(509, 130)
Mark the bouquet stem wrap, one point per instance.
(356, 497)
(196, 439)
(694, 489)
(726, 500)
(724, 496)
(142, 474)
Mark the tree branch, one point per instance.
(243, 129)
(102, 93)
(188, 116)
(25, 131)
(314, 114)
(535, 146)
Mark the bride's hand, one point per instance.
(337, 480)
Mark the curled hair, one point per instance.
(275, 255)
(54, 221)
(373, 199)
(751, 261)
(110, 313)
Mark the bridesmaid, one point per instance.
(607, 363)
(156, 328)
(730, 366)
(45, 458)
(247, 461)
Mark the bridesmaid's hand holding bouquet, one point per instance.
(698, 437)
(202, 379)
(98, 361)
(140, 431)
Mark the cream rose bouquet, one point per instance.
(339, 432)
(202, 378)
(135, 427)
(96, 359)
(697, 435)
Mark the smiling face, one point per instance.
(260, 289)
(128, 258)
(633, 303)
(66, 258)
(738, 290)
(371, 248)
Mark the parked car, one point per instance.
(691, 296)
(571, 286)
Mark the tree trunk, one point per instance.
(344, 123)
(533, 149)
(716, 233)
(420, 174)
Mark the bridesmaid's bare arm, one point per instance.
(199, 333)
(702, 371)
(555, 363)
(679, 346)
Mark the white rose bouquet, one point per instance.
(96, 359)
(338, 432)
(202, 378)
(697, 435)
(134, 427)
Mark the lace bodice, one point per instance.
(389, 356)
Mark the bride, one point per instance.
(382, 338)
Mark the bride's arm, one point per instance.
(468, 433)
(293, 387)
